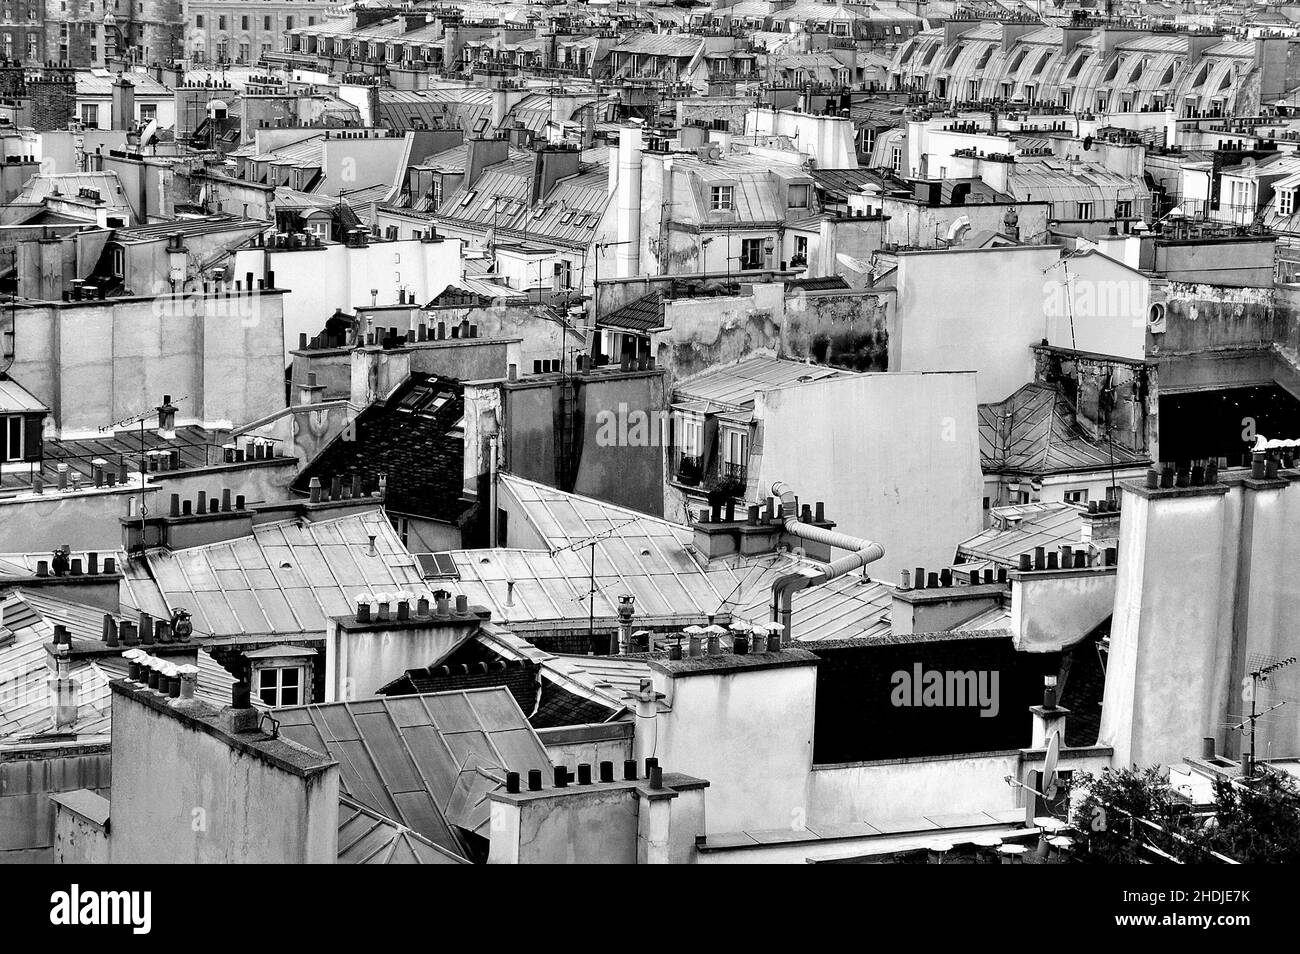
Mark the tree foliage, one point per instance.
(1251, 822)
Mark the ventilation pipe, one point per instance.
(861, 552)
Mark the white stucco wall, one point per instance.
(894, 456)
(972, 310)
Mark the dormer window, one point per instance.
(280, 686)
(20, 437)
(1286, 201)
(722, 198)
(799, 196)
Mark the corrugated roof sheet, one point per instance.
(424, 761)
(368, 838)
(734, 385)
(1034, 431)
(675, 45)
(100, 83)
(652, 559)
(40, 187)
(286, 578)
(26, 707)
(14, 398)
(1036, 525)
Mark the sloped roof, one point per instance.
(41, 187)
(676, 45)
(651, 559)
(1035, 525)
(1035, 431)
(736, 384)
(286, 578)
(15, 399)
(642, 314)
(410, 438)
(368, 838)
(423, 761)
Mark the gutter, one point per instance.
(861, 553)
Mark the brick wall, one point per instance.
(53, 101)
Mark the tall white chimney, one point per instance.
(628, 253)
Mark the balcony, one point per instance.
(722, 477)
(688, 471)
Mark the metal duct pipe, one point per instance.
(861, 553)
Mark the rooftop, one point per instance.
(287, 578)
(425, 762)
(734, 386)
(1036, 431)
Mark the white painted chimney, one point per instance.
(627, 256)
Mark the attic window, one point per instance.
(541, 211)
(280, 686)
(566, 218)
(469, 197)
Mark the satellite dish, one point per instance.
(1050, 781)
(1043, 787)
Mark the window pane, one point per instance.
(289, 677)
(266, 678)
(289, 697)
(268, 696)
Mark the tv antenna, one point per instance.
(1259, 677)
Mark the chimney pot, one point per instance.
(512, 783)
(918, 578)
(1207, 748)
(561, 777)
(584, 773)
(534, 780)
(240, 696)
(629, 770)
(656, 778)
(607, 771)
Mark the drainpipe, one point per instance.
(861, 552)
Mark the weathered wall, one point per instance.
(748, 731)
(79, 839)
(87, 519)
(92, 363)
(181, 794)
(337, 276)
(972, 310)
(848, 330)
(27, 779)
(895, 457)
